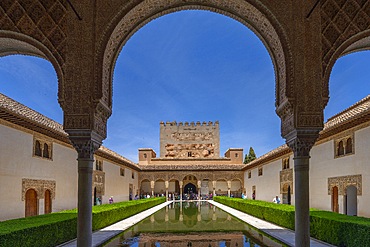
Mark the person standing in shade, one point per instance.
(111, 200)
(254, 196)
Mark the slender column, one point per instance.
(199, 187)
(152, 183)
(301, 143)
(214, 188)
(166, 184)
(180, 184)
(228, 188)
(86, 143)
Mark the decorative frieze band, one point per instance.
(343, 182)
(286, 180)
(40, 186)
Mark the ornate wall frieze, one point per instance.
(99, 182)
(343, 182)
(286, 180)
(40, 186)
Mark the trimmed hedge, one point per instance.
(56, 228)
(337, 229)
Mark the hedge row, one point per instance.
(337, 229)
(56, 228)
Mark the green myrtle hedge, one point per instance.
(337, 229)
(56, 228)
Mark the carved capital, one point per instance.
(302, 140)
(86, 142)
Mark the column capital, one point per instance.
(302, 140)
(86, 142)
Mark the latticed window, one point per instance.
(285, 163)
(249, 174)
(99, 165)
(42, 148)
(344, 146)
(122, 171)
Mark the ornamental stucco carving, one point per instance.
(189, 150)
(40, 186)
(99, 182)
(286, 180)
(343, 182)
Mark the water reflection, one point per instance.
(191, 224)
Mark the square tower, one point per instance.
(189, 140)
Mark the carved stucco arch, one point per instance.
(12, 43)
(252, 14)
(356, 43)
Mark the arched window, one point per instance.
(349, 146)
(47, 202)
(340, 148)
(45, 152)
(37, 148)
(31, 203)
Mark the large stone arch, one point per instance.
(252, 14)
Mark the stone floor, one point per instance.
(284, 235)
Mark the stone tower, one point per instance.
(189, 140)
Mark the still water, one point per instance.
(192, 224)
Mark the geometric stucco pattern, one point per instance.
(42, 20)
(286, 180)
(340, 20)
(343, 182)
(40, 186)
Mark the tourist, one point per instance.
(276, 200)
(136, 197)
(111, 200)
(254, 196)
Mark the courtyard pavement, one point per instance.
(284, 235)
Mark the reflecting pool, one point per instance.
(192, 224)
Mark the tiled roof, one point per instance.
(17, 113)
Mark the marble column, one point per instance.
(214, 188)
(228, 188)
(199, 183)
(301, 143)
(152, 184)
(166, 185)
(86, 143)
(180, 184)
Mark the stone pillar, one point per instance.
(166, 185)
(301, 143)
(152, 183)
(214, 188)
(180, 184)
(86, 143)
(199, 183)
(228, 188)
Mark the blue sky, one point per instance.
(187, 66)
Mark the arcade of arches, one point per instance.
(82, 41)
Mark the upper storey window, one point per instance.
(42, 148)
(285, 163)
(99, 165)
(344, 146)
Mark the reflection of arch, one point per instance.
(31, 203)
(47, 202)
(334, 200)
(351, 200)
(254, 15)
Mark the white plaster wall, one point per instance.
(117, 185)
(267, 185)
(17, 162)
(323, 166)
